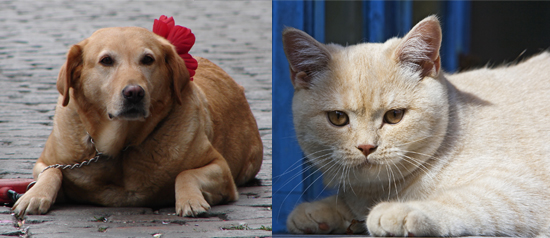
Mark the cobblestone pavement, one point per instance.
(34, 38)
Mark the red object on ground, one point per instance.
(17, 185)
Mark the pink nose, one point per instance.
(367, 149)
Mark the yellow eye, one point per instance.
(338, 118)
(394, 116)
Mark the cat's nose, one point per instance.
(367, 149)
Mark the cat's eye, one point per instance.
(338, 118)
(394, 116)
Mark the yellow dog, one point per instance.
(164, 139)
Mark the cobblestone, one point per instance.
(34, 38)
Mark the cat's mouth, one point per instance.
(372, 162)
(357, 162)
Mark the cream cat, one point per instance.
(413, 151)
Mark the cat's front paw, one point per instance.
(399, 219)
(316, 218)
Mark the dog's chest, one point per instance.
(136, 177)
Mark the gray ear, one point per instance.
(306, 56)
(419, 49)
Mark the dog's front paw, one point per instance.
(31, 203)
(191, 206)
(399, 219)
(315, 218)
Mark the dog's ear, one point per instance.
(70, 71)
(177, 70)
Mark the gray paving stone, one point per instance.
(34, 38)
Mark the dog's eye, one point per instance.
(147, 60)
(106, 61)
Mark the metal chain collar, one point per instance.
(77, 165)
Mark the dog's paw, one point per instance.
(315, 218)
(399, 219)
(31, 203)
(192, 206)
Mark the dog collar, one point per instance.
(181, 37)
(98, 155)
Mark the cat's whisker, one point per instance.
(301, 160)
(311, 184)
(389, 181)
(395, 180)
(301, 173)
(304, 170)
(423, 163)
(338, 191)
(313, 161)
(286, 197)
(293, 166)
(342, 178)
(379, 171)
(405, 167)
(418, 153)
(346, 174)
(402, 151)
(349, 180)
(326, 185)
(398, 170)
(336, 174)
(418, 165)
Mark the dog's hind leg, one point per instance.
(197, 189)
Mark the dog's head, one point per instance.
(123, 72)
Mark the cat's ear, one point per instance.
(419, 49)
(306, 56)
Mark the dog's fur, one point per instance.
(188, 142)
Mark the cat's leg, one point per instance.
(473, 210)
(323, 216)
(400, 219)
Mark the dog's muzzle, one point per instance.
(133, 106)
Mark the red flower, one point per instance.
(163, 25)
(181, 37)
(191, 64)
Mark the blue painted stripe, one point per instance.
(386, 19)
(374, 20)
(288, 189)
(456, 33)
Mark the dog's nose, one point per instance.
(133, 93)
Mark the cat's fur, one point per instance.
(471, 155)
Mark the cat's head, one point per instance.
(372, 108)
